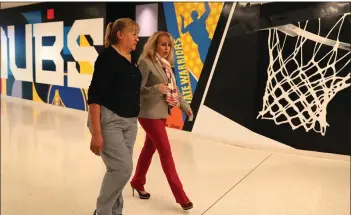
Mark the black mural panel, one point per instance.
(207, 67)
(290, 83)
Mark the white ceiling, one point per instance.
(4, 5)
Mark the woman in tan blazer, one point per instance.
(159, 93)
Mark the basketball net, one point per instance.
(313, 84)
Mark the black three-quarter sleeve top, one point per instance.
(116, 83)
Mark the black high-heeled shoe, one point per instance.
(188, 206)
(142, 196)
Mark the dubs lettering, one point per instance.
(92, 27)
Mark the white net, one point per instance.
(298, 91)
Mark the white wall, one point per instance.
(214, 125)
(146, 17)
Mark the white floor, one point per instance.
(47, 169)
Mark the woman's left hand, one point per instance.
(190, 113)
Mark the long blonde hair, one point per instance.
(149, 50)
(119, 25)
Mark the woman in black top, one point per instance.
(113, 98)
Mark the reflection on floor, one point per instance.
(47, 169)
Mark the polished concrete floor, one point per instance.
(47, 169)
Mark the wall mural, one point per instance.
(283, 71)
(285, 74)
(192, 25)
(307, 69)
(69, 40)
(48, 52)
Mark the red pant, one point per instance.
(156, 138)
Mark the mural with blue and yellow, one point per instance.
(64, 95)
(192, 25)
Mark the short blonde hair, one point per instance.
(149, 50)
(119, 25)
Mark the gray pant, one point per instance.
(119, 135)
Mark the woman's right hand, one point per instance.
(96, 144)
(163, 88)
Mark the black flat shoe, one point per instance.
(95, 213)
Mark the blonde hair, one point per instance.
(119, 25)
(149, 50)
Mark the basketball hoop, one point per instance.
(313, 84)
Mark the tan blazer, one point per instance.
(152, 103)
